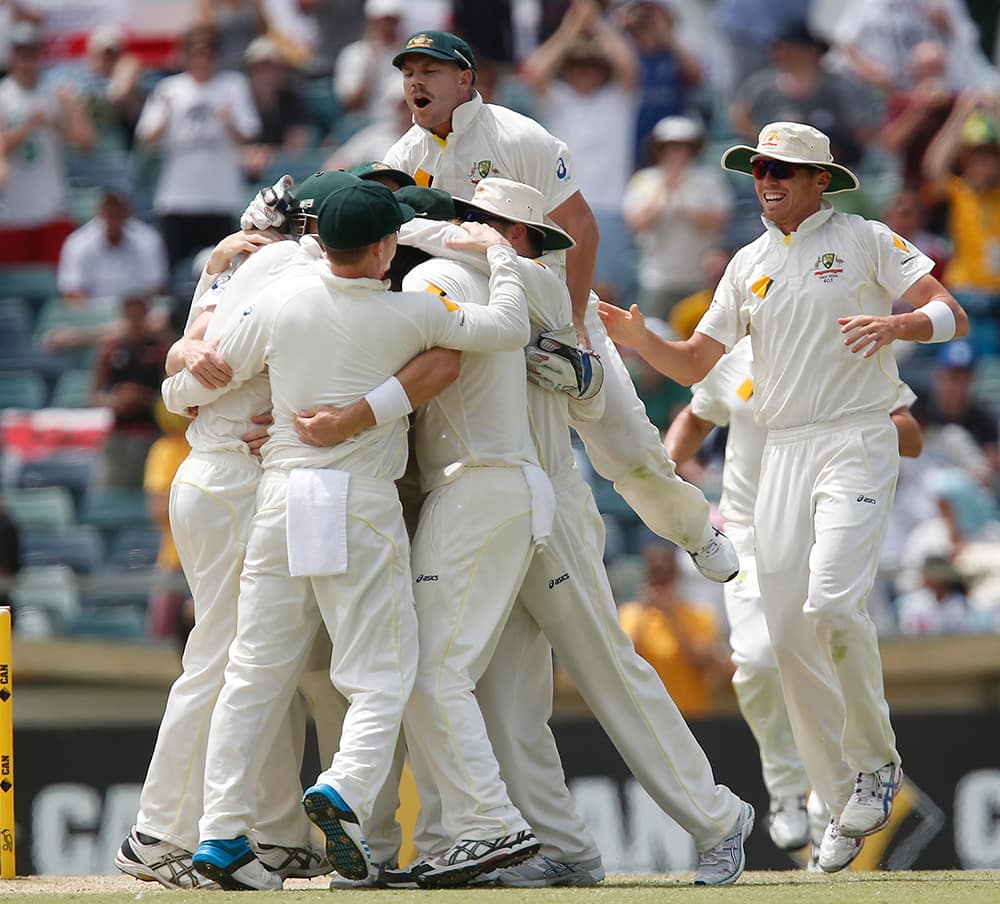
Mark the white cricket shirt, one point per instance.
(790, 291)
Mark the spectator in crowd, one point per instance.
(965, 532)
(678, 638)
(35, 121)
(127, 380)
(750, 28)
(110, 83)
(236, 22)
(112, 255)
(292, 23)
(676, 210)
(364, 69)
(969, 142)
(688, 311)
(284, 121)
(585, 76)
(939, 605)
(200, 118)
(797, 88)
(372, 141)
(170, 613)
(668, 71)
(951, 401)
(878, 36)
(915, 114)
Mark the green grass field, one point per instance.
(754, 888)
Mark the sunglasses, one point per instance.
(778, 169)
(474, 216)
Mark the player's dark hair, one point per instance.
(347, 257)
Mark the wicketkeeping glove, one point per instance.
(268, 206)
(554, 362)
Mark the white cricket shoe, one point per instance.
(151, 860)
(870, 806)
(540, 871)
(291, 862)
(232, 863)
(375, 879)
(407, 877)
(819, 818)
(788, 822)
(717, 559)
(837, 850)
(724, 864)
(471, 857)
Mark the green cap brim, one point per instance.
(397, 60)
(738, 160)
(365, 171)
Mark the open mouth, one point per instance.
(421, 102)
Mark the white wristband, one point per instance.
(389, 401)
(942, 320)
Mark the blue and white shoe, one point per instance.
(346, 849)
(234, 866)
(724, 864)
(870, 806)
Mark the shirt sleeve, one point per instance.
(899, 263)
(243, 110)
(547, 165)
(70, 274)
(154, 112)
(640, 190)
(350, 71)
(706, 398)
(907, 397)
(500, 326)
(432, 236)
(724, 321)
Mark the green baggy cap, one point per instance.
(360, 214)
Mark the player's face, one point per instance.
(788, 193)
(433, 88)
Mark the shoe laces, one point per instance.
(869, 784)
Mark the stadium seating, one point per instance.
(72, 470)
(80, 547)
(135, 547)
(41, 509)
(112, 509)
(35, 284)
(45, 598)
(22, 389)
(72, 389)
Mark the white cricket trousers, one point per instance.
(756, 681)
(625, 448)
(470, 554)
(567, 594)
(368, 612)
(212, 501)
(822, 507)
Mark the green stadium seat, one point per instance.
(80, 547)
(986, 383)
(72, 390)
(114, 509)
(72, 470)
(34, 283)
(51, 590)
(22, 389)
(40, 509)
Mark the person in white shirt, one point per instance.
(200, 119)
(36, 121)
(677, 210)
(363, 76)
(456, 141)
(815, 293)
(343, 536)
(724, 398)
(112, 255)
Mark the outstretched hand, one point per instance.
(624, 327)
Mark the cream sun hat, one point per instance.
(792, 142)
(517, 203)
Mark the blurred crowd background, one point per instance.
(135, 131)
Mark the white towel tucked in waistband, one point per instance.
(543, 504)
(316, 522)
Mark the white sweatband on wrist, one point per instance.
(942, 319)
(389, 401)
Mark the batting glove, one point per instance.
(268, 206)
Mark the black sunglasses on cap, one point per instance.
(778, 169)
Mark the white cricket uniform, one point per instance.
(471, 550)
(325, 340)
(212, 501)
(828, 472)
(567, 597)
(489, 140)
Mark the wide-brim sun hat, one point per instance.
(515, 202)
(792, 142)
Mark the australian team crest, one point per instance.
(482, 170)
(828, 266)
(420, 40)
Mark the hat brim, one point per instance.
(738, 159)
(397, 60)
(402, 178)
(555, 239)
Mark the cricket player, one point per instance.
(815, 293)
(456, 141)
(567, 596)
(324, 538)
(723, 399)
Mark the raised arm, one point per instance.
(575, 216)
(685, 435)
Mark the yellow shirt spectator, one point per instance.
(975, 230)
(164, 458)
